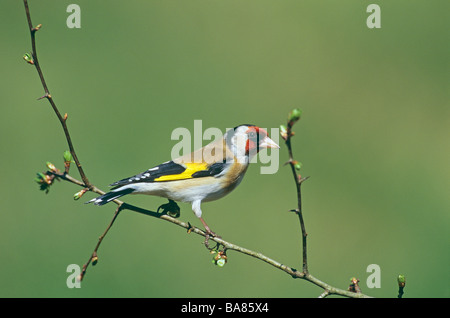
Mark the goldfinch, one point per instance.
(206, 174)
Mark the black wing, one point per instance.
(150, 175)
(170, 168)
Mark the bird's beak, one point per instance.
(268, 143)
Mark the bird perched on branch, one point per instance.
(206, 174)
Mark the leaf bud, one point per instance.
(51, 166)
(294, 116)
(401, 280)
(67, 156)
(28, 58)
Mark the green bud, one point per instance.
(27, 57)
(298, 165)
(51, 166)
(67, 156)
(94, 260)
(401, 280)
(79, 194)
(283, 132)
(221, 262)
(44, 181)
(40, 177)
(294, 116)
(219, 258)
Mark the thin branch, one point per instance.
(49, 97)
(298, 182)
(400, 292)
(93, 258)
(325, 293)
(401, 280)
(294, 116)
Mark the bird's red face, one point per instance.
(257, 140)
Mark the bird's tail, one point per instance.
(108, 197)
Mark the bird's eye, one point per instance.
(252, 134)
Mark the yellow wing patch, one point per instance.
(191, 168)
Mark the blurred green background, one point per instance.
(374, 138)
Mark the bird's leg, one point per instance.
(208, 230)
(171, 209)
(208, 233)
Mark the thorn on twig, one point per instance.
(302, 179)
(190, 228)
(47, 95)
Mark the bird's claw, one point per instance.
(209, 234)
(171, 209)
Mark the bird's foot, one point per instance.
(171, 209)
(208, 234)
